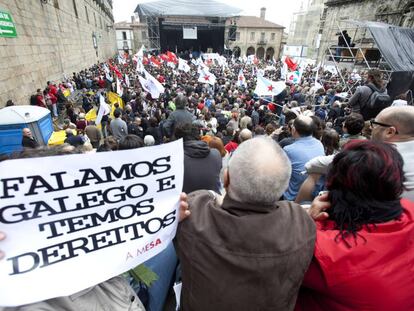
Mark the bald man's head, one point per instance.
(304, 126)
(401, 124)
(258, 180)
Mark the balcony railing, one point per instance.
(262, 42)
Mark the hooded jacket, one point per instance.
(375, 273)
(361, 97)
(240, 256)
(202, 167)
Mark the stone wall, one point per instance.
(52, 39)
(389, 11)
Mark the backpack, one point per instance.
(33, 100)
(376, 102)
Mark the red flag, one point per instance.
(172, 57)
(291, 65)
(145, 60)
(155, 61)
(165, 58)
(115, 68)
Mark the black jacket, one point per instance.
(202, 167)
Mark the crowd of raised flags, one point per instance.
(290, 71)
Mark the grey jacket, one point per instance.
(361, 97)
(114, 295)
(178, 117)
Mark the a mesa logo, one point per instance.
(145, 248)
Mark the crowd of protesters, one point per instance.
(245, 242)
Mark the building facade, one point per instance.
(124, 37)
(54, 38)
(317, 25)
(131, 36)
(304, 28)
(256, 35)
(336, 12)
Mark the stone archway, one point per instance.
(236, 51)
(250, 51)
(260, 52)
(270, 52)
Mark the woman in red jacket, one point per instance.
(364, 251)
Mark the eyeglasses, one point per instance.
(373, 122)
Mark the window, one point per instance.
(237, 36)
(273, 36)
(87, 16)
(56, 4)
(144, 35)
(94, 17)
(100, 19)
(124, 36)
(252, 36)
(75, 9)
(262, 36)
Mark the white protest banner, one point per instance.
(74, 221)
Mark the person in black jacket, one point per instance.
(28, 140)
(202, 165)
(179, 117)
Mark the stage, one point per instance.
(209, 39)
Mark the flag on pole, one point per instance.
(182, 65)
(266, 87)
(206, 77)
(108, 77)
(155, 61)
(241, 80)
(153, 85)
(103, 109)
(284, 71)
(172, 57)
(293, 77)
(290, 63)
(119, 88)
(106, 69)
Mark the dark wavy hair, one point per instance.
(365, 182)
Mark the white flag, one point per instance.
(103, 109)
(153, 86)
(182, 65)
(127, 81)
(241, 80)
(119, 88)
(293, 77)
(143, 83)
(108, 77)
(206, 77)
(266, 87)
(283, 71)
(105, 67)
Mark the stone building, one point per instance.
(131, 36)
(399, 13)
(256, 35)
(54, 37)
(304, 27)
(319, 32)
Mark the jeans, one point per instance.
(338, 53)
(164, 265)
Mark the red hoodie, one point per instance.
(374, 275)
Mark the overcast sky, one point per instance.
(277, 11)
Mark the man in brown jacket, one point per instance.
(247, 251)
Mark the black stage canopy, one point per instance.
(186, 8)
